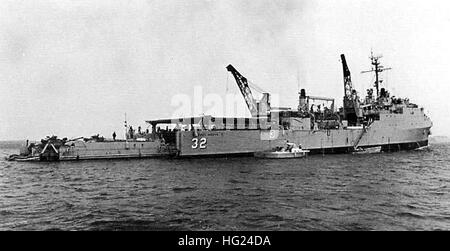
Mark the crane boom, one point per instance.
(245, 90)
(351, 109)
(348, 88)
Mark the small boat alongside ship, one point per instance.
(376, 149)
(289, 152)
(377, 121)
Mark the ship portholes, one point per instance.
(199, 143)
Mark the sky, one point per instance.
(75, 68)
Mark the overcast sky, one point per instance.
(73, 68)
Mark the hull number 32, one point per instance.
(196, 143)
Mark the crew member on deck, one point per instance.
(114, 136)
(131, 132)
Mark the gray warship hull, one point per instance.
(240, 142)
(392, 132)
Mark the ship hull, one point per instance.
(391, 132)
(234, 142)
(242, 143)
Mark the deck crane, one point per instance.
(351, 111)
(257, 108)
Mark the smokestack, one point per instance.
(302, 93)
(302, 106)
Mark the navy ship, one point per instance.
(377, 120)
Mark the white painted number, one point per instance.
(202, 143)
(196, 145)
(272, 134)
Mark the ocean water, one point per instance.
(408, 190)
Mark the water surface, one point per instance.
(408, 190)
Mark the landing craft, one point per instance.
(376, 121)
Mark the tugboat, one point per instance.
(290, 151)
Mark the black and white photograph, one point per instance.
(232, 116)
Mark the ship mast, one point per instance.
(377, 68)
(126, 127)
